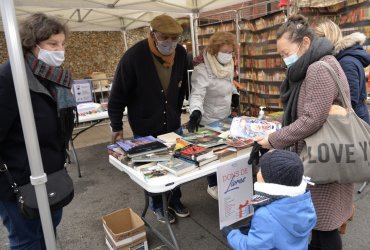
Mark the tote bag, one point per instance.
(340, 150)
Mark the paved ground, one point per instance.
(103, 189)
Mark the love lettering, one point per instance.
(341, 153)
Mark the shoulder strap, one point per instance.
(4, 169)
(342, 93)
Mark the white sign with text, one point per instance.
(235, 191)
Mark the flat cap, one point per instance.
(166, 25)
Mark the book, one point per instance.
(177, 166)
(204, 138)
(152, 171)
(194, 152)
(169, 138)
(225, 154)
(220, 126)
(211, 158)
(158, 156)
(251, 127)
(239, 142)
(141, 146)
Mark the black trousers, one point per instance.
(325, 240)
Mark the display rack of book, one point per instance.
(206, 30)
(351, 16)
(261, 71)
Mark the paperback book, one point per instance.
(220, 126)
(204, 138)
(194, 152)
(152, 172)
(177, 166)
(251, 127)
(141, 146)
(159, 156)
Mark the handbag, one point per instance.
(59, 188)
(340, 150)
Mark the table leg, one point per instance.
(75, 156)
(172, 245)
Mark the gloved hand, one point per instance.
(226, 230)
(256, 153)
(235, 100)
(194, 121)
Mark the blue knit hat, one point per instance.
(282, 167)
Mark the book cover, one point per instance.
(251, 127)
(177, 166)
(239, 142)
(194, 152)
(204, 138)
(141, 146)
(169, 138)
(220, 126)
(152, 172)
(225, 154)
(158, 156)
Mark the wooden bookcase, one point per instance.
(261, 70)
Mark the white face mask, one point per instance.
(52, 58)
(224, 58)
(166, 47)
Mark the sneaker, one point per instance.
(179, 209)
(160, 216)
(213, 192)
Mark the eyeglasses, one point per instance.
(162, 37)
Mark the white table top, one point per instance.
(93, 117)
(169, 181)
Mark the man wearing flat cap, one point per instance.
(151, 80)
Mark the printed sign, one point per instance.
(82, 91)
(235, 191)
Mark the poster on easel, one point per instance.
(235, 191)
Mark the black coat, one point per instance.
(12, 144)
(136, 85)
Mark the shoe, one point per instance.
(179, 209)
(213, 192)
(160, 216)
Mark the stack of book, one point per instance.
(196, 154)
(141, 146)
(204, 138)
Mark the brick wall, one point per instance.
(88, 52)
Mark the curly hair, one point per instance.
(37, 28)
(220, 39)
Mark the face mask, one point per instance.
(166, 47)
(224, 58)
(290, 60)
(52, 58)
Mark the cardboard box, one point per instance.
(124, 229)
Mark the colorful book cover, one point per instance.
(177, 166)
(204, 138)
(129, 144)
(152, 172)
(141, 146)
(194, 152)
(251, 127)
(220, 126)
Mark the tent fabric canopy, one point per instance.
(115, 15)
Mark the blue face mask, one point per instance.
(290, 60)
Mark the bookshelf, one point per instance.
(261, 70)
(351, 16)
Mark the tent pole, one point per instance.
(38, 177)
(194, 28)
(191, 20)
(124, 33)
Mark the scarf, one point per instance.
(289, 90)
(219, 70)
(167, 61)
(58, 81)
(266, 193)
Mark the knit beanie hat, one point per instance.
(282, 167)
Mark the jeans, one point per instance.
(175, 194)
(25, 234)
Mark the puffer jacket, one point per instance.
(353, 59)
(209, 94)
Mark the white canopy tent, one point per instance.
(81, 15)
